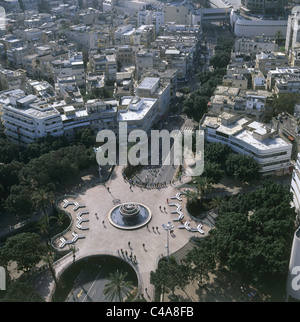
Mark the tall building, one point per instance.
(264, 6)
(292, 39)
(295, 187)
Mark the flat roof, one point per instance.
(236, 130)
(135, 115)
(269, 143)
(148, 82)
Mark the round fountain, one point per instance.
(129, 215)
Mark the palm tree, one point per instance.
(43, 226)
(41, 199)
(217, 202)
(117, 287)
(191, 196)
(203, 185)
(48, 258)
(278, 36)
(60, 218)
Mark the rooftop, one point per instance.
(241, 129)
(148, 82)
(137, 109)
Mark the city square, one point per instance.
(148, 243)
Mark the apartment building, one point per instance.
(271, 152)
(270, 61)
(144, 36)
(126, 55)
(152, 87)
(278, 73)
(72, 66)
(149, 60)
(287, 83)
(68, 90)
(138, 113)
(237, 101)
(41, 89)
(124, 35)
(151, 17)
(15, 55)
(26, 119)
(97, 114)
(292, 39)
(178, 13)
(12, 79)
(254, 45)
(105, 64)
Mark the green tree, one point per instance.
(217, 202)
(252, 232)
(213, 172)
(217, 153)
(118, 287)
(19, 291)
(220, 59)
(86, 137)
(195, 106)
(200, 261)
(203, 185)
(19, 201)
(49, 259)
(41, 199)
(241, 167)
(191, 196)
(44, 227)
(9, 151)
(24, 248)
(285, 103)
(168, 275)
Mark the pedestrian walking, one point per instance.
(167, 200)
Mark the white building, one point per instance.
(254, 45)
(73, 66)
(97, 114)
(26, 119)
(150, 17)
(269, 150)
(152, 87)
(138, 113)
(252, 26)
(292, 39)
(295, 184)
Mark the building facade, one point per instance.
(271, 152)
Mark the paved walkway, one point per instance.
(103, 238)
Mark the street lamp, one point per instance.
(167, 228)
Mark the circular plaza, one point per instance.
(138, 234)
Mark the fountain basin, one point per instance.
(129, 215)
